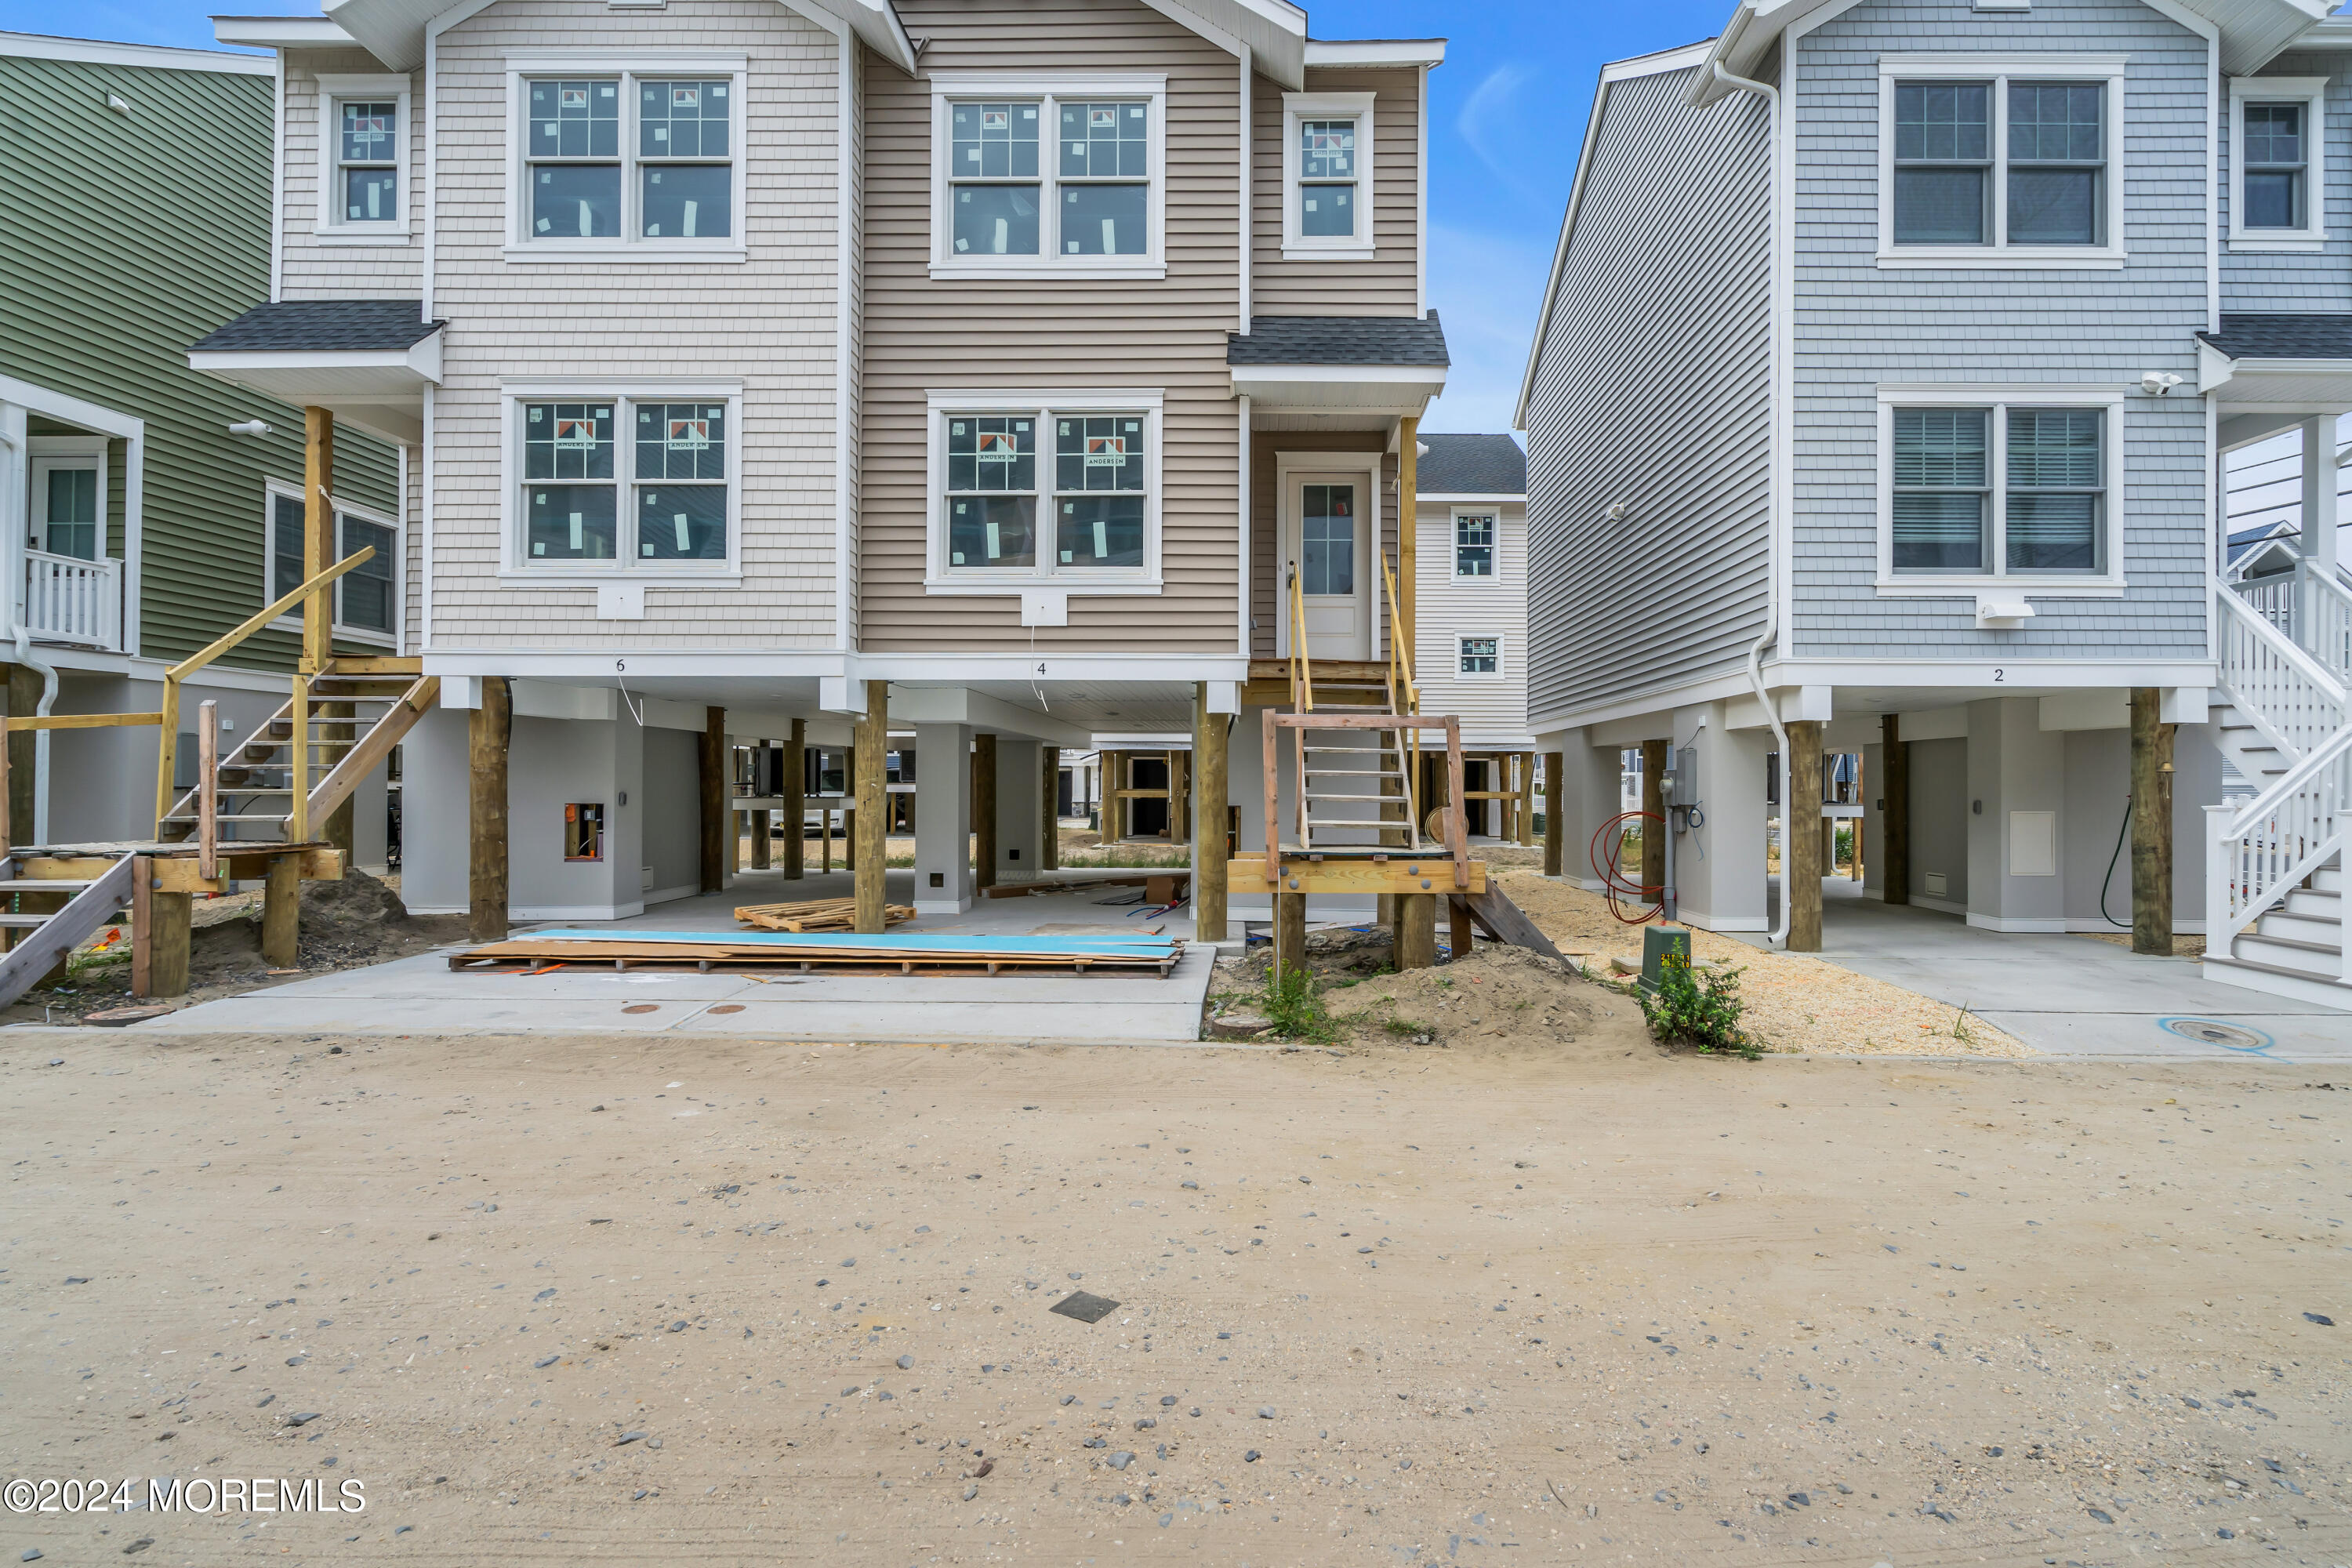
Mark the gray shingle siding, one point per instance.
(1651, 389)
(1858, 326)
(2299, 280)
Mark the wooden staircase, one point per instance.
(350, 715)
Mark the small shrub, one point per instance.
(1703, 1010)
(1292, 1002)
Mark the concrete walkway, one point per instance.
(422, 995)
(2073, 995)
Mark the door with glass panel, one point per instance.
(64, 507)
(1328, 546)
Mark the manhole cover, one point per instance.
(2213, 1032)
(642, 1008)
(728, 1007)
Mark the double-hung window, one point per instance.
(1473, 545)
(364, 159)
(2278, 154)
(1327, 164)
(1999, 488)
(1062, 492)
(626, 162)
(638, 484)
(364, 602)
(2006, 161)
(1048, 175)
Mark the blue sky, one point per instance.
(1507, 112)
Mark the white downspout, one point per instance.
(1776, 500)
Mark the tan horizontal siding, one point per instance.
(1166, 335)
(769, 322)
(1387, 282)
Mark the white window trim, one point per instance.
(45, 453)
(272, 490)
(2311, 92)
(2001, 70)
(1044, 404)
(1454, 549)
(328, 225)
(1298, 106)
(1502, 657)
(1996, 399)
(947, 86)
(522, 64)
(514, 567)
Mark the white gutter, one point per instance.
(1776, 496)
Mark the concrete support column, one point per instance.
(1017, 850)
(2016, 785)
(2152, 825)
(1720, 872)
(1591, 786)
(1800, 836)
(943, 820)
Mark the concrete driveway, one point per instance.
(2073, 995)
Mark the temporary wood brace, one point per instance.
(1458, 837)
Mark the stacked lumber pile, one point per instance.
(1111, 952)
(817, 915)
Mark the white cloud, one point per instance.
(1487, 289)
(1488, 123)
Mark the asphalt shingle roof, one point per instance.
(1470, 466)
(2245, 335)
(329, 325)
(1339, 340)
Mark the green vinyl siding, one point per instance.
(124, 238)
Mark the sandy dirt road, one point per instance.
(1516, 1301)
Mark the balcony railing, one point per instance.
(67, 599)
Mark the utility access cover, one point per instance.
(2213, 1032)
(1084, 1306)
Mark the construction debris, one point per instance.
(909, 954)
(817, 915)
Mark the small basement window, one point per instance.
(583, 831)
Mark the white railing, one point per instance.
(2313, 608)
(67, 599)
(2296, 703)
(2255, 855)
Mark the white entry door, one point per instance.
(1328, 546)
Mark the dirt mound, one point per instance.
(347, 924)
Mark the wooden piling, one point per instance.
(2151, 831)
(1895, 819)
(281, 910)
(983, 810)
(870, 844)
(1049, 826)
(710, 770)
(1416, 931)
(1555, 830)
(488, 733)
(1208, 809)
(796, 803)
(1654, 828)
(1801, 839)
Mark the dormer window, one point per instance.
(364, 136)
(1048, 175)
(2278, 162)
(1326, 165)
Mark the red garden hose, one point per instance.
(1613, 883)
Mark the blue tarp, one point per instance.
(1077, 946)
